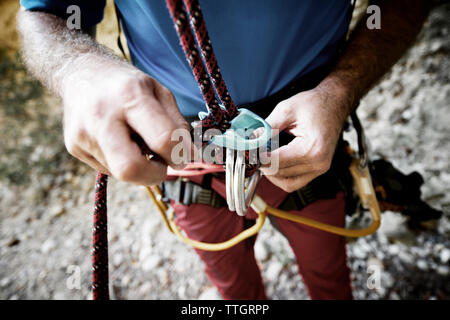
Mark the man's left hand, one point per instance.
(316, 118)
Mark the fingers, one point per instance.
(155, 123)
(291, 171)
(294, 153)
(93, 163)
(124, 159)
(290, 184)
(281, 116)
(76, 151)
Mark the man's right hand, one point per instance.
(103, 109)
(106, 100)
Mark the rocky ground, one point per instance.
(46, 199)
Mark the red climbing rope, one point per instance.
(100, 241)
(202, 37)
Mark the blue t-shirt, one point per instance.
(260, 45)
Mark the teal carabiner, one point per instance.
(239, 135)
(238, 139)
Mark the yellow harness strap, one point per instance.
(363, 184)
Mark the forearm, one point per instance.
(371, 53)
(58, 56)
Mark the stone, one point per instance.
(261, 252)
(422, 265)
(117, 259)
(406, 257)
(144, 253)
(210, 294)
(57, 210)
(443, 270)
(273, 271)
(394, 249)
(151, 262)
(48, 246)
(126, 279)
(358, 252)
(372, 261)
(181, 292)
(387, 280)
(59, 295)
(12, 242)
(445, 255)
(5, 281)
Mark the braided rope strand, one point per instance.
(100, 241)
(180, 18)
(204, 42)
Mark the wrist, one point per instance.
(341, 96)
(93, 69)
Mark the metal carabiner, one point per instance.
(229, 178)
(237, 140)
(240, 190)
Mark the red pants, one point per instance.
(321, 256)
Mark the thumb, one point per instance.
(281, 116)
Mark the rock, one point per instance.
(68, 176)
(358, 265)
(387, 280)
(145, 289)
(445, 255)
(381, 292)
(117, 259)
(57, 210)
(273, 270)
(422, 265)
(125, 281)
(12, 242)
(406, 257)
(125, 223)
(394, 296)
(380, 254)
(372, 261)
(181, 292)
(420, 252)
(59, 295)
(443, 270)
(4, 282)
(48, 246)
(359, 252)
(393, 250)
(151, 262)
(210, 294)
(149, 229)
(261, 252)
(144, 253)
